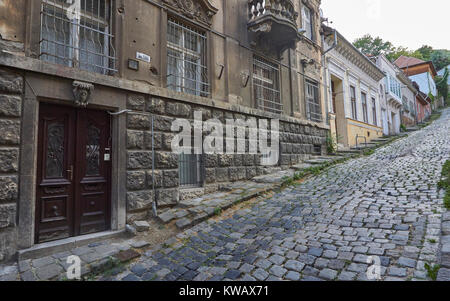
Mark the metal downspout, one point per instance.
(155, 203)
(325, 68)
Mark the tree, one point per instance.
(399, 51)
(373, 46)
(376, 46)
(442, 84)
(440, 58)
(426, 52)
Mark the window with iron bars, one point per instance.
(187, 69)
(266, 86)
(77, 33)
(313, 107)
(191, 170)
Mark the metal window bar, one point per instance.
(266, 85)
(186, 59)
(191, 170)
(84, 42)
(313, 107)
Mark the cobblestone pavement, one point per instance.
(385, 205)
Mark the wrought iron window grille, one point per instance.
(266, 86)
(78, 39)
(187, 69)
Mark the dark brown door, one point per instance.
(73, 180)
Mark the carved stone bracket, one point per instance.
(82, 93)
(198, 10)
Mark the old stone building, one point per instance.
(89, 90)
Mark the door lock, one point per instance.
(107, 156)
(70, 173)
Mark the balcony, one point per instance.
(274, 24)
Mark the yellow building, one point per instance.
(352, 92)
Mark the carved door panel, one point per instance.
(56, 160)
(92, 173)
(73, 178)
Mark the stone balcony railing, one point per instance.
(274, 21)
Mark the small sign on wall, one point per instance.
(143, 57)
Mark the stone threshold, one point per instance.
(64, 245)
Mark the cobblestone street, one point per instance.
(384, 205)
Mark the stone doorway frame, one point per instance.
(36, 91)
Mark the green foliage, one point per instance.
(447, 201)
(376, 46)
(432, 271)
(403, 128)
(373, 46)
(368, 152)
(399, 51)
(331, 143)
(426, 52)
(440, 58)
(445, 183)
(217, 211)
(442, 84)
(446, 168)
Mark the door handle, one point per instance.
(70, 173)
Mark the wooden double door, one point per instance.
(73, 174)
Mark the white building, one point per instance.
(351, 92)
(392, 96)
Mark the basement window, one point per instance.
(191, 170)
(77, 34)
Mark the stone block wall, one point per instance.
(11, 93)
(297, 142)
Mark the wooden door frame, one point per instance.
(37, 91)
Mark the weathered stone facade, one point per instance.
(11, 89)
(296, 142)
(231, 49)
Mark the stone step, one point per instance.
(302, 166)
(274, 178)
(318, 161)
(365, 146)
(380, 140)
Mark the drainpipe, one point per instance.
(290, 82)
(324, 64)
(415, 107)
(155, 202)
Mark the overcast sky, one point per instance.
(408, 23)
